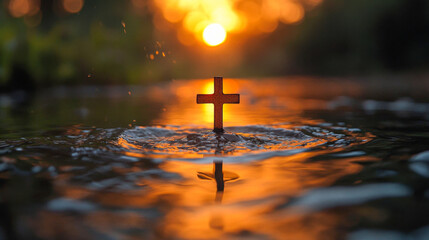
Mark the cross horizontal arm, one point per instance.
(205, 98)
(231, 98)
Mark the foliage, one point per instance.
(109, 42)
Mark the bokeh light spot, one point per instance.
(19, 8)
(241, 18)
(214, 34)
(293, 12)
(73, 6)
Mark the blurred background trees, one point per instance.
(55, 42)
(364, 36)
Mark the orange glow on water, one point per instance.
(195, 211)
(191, 18)
(208, 88)
(251, 110)
(288, 175)
(187, 108)
(208, 109)
(188, 207)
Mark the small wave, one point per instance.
(238, 144)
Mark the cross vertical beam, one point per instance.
(218, 98)
(218, 104)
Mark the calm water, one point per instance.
(301, 159)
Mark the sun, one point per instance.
(214, 34)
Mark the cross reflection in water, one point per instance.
(220, 176)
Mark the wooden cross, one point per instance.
(218, 98)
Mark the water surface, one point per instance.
(302, 159)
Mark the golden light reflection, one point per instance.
(191, 18)
(278, 99)
(259, 106)
(208, 109)
(268, 183)
(192, 207)
(166, 199)
(186, 108)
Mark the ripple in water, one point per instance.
(238, 144)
